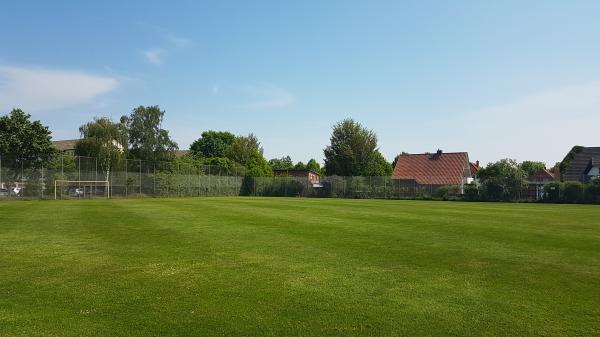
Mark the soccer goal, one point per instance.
(69, 189)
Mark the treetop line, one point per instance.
(353, 150)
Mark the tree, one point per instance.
(246, 151)
(502, 180)
(212, 144)
(352, 149)
(148, 140)
(378, 166)
(104, 140)
(312, 165)
(283, 163)
(23, 143)
(300, 166)
(532, 167)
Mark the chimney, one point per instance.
(436, 155)
(477, 163)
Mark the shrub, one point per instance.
(471, 192)
(572, 191)
(552, 192)
(446, 191)
(592, 192)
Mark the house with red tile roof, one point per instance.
(537, 181)
(435, 169)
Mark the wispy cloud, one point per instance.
(39, 89)
(155, 55)
(541, 126)
(265, 96)
(167, 41)
(178, 41)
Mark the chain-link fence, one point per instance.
(76, 177)
(72, 177)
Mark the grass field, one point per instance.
(298, 267)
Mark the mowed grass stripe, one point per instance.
(290, 266)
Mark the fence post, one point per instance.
(126, 182)
(140, 179)
(43, 182)
(154, 179)
(22, 180)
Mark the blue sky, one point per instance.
(517, 79)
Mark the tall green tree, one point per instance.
(104, 140)
(378, 166)
(24, 143)
(246, 151)
(283, 163)
(212, 144)
(313, 165)
(147, 139)
(502, 180)
(300, 166)
(353, 150)
(532, 167)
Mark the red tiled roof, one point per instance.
(541, 175)
(433, 169)
(474, 167)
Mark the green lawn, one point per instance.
(298, 267)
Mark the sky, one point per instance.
(498, 79)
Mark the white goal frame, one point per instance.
(82, 182)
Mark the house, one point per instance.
(435, 169)
(311, 177)
(537, 181)
(581, 164)
(474, 167)
(65, 146)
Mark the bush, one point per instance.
(446, 191)
(592, 192)
(471, 192)
(552, 191)
(572, 192)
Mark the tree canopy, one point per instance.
(147, 139)
(104, 140)
(246, 151)
(353, 151)
(313, 165)
(283, 163)
(502, 180)
(212, 144)
(532, 167)
(24, 143)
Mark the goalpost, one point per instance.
(81, 188)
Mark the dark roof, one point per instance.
(580, 163)
(65, 145)
(433, 169)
